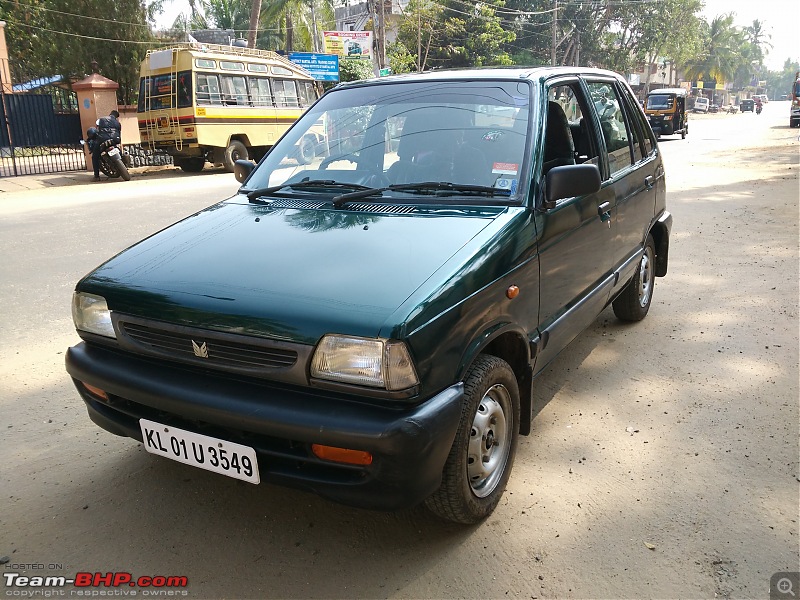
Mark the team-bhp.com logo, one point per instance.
(156, 585)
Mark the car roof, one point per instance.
(508, 73)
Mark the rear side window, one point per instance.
(644, 142)
(616, 131)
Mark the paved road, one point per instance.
(663, 461)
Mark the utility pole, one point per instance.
(419, 36)
(555, 32)
(382, 57)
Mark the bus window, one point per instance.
(235, 90)
(184, 89)
(260, 94)
(306, 93)
(163, 86)
(208, 90)
(231, 66)
(285, 93)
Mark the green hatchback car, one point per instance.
(366, 319)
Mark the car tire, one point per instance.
(236, 150)
(480, 460)
(634, 301)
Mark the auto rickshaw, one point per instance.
(666, 111)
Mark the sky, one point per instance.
(781, 19)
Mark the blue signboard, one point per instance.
(322, 67)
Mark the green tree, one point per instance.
(63, 37)
(400, 59)
(451, 34)
(353, 69)
(300, 22)
(720, 56)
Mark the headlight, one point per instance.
(91, 314)
(364, 361)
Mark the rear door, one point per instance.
(634, 169)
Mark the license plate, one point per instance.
(114, 152)
(211, 454)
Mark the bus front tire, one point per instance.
(236, 150)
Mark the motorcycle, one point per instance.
(113, 163)
(758, 109)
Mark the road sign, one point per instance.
(384, 72)
(322, 67)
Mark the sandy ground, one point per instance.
(663, 461)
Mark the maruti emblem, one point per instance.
(201, 350)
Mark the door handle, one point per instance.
(648, 182)
(604, 210)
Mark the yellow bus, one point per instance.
(212, 103)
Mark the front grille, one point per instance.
(207, 348)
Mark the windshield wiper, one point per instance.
(308, 183)
(424, 186)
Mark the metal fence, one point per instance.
(34, 138)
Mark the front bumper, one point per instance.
(409, 444)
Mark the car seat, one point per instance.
(559, 149)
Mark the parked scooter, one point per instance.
(113, 163)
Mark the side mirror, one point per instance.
(569, 181)
(242, 169)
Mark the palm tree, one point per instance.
(302, 20)
(720, 57)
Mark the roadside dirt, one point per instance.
(663, 461)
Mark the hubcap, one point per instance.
(490, 441)
(645, 278)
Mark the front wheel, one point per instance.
(480, 460)
(634, 301)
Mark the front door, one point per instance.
(577, 236)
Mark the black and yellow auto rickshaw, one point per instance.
(666, 111)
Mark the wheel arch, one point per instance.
(509, 343)
(660, 233)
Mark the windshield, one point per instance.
(660, 102)
(467, 134)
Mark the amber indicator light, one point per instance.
(342, 455)
(512, 292)
(95, 390)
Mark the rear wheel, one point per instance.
(109, 167)
(122, 169)
(634, 301)
(236, 150)
(480, 461)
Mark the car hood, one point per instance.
(287, 273)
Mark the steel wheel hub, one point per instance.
(490, 441)
(645, 278)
